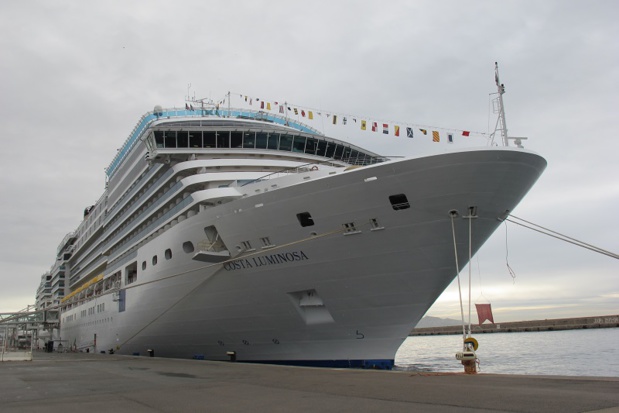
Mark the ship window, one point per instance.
(310, 146)
(159, 138)
(353, 158)
(236, 140)
(182, 139)
(131, 272)
(266, 242)
(338, 152)
(168, 254)
(299, 144)
(399, 202)
(330, 150)
(285, 143)
(273, 141)
(210, 139)
(350, 227)
(305, 219)
(143, 265)
(261, 140)
(154, 260)
(195, 139)
(249, 140)
(375, 225)
(322, 147)
(170, 139)
(223, 139)
(346, 155)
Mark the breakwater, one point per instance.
(607, 321)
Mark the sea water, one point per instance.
(583, 352)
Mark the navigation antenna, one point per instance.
(501, 124)
(189, 98)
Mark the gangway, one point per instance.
(19, 331)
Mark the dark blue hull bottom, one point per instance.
(381, 364)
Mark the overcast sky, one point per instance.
(77, 75)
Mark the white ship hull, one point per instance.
(325, 294)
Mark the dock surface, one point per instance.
(86, 382)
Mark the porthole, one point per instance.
(143, 265)
(168, 254)
(155, 260)
(188, 247)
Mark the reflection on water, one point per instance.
(590, 352)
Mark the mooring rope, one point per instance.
(562, 237)
(452, 215)
(470, 217)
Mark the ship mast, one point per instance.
(501, 123)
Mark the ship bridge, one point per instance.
(167, 139)
(169, 131)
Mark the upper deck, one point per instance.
(314, 142)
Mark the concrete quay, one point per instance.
(557, 324)
(79, 382)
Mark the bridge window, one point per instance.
(346, 154)
(159, 138)
(285, 143)
(261, 140)
(236, 139)
(223, 139)
(170, 139)
(322, 148)
(339, 149)
(249, 140)
(182, 139)
(310, 146)
(299, 144)
(330, 151)
(273, 141)
(195, 139)
(210, 139)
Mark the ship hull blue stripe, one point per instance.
(379, 364)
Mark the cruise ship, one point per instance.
(238, 234)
